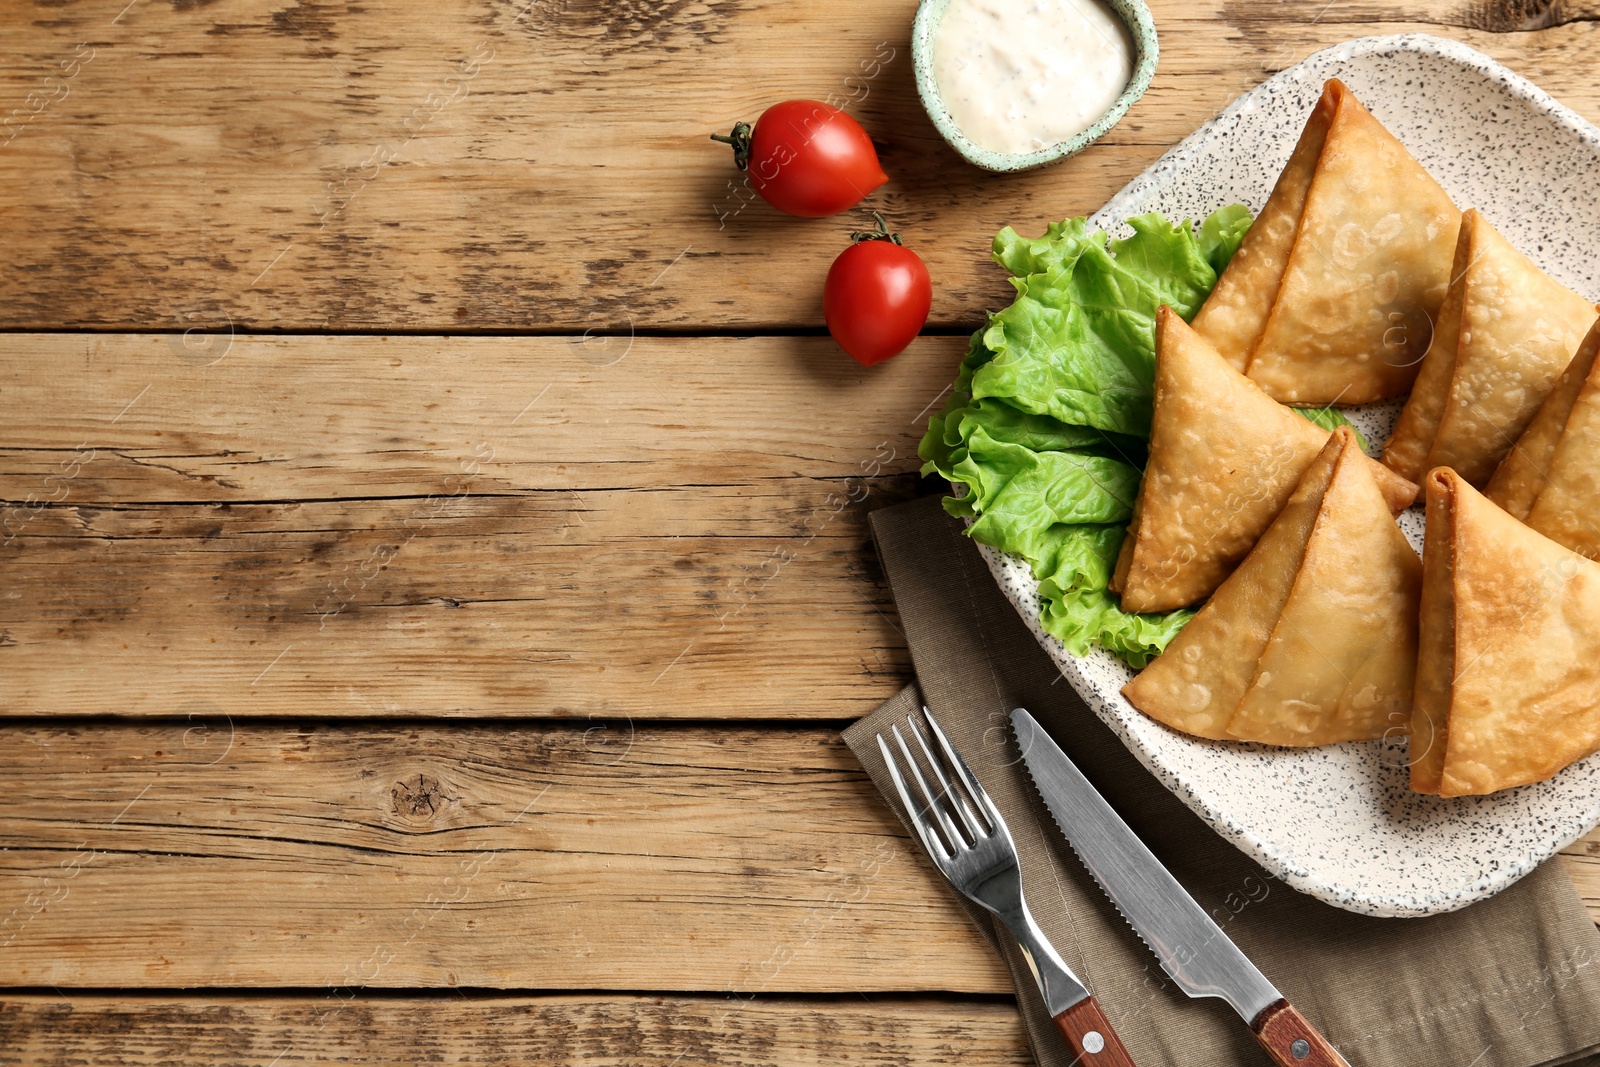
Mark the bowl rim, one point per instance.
(1135, 15)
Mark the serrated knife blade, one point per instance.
(1192, 949)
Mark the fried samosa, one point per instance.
(1508, 663)
(1313, 639)
(1567, 509)
(1224, 458)
(1330, 298)
(1505, 333)
(1526, 468)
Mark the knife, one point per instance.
(1202, 959)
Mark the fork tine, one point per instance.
(964, 772)
(957, 842)
(930, 840)
(964, 815)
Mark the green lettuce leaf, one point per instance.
(1056, 251)
(1221, 234)
(1018, 495)
(1072, 574)
(1078, 343)
(943, 445)
(1038, 433)
(1160, 264)
(1048, 361)
(1043, 434)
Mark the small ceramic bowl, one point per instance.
(1141, 28)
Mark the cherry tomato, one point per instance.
(806, 158)
(877, 296)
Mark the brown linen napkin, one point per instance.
(1513, 981)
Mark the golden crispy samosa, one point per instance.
(1567, 509)
(1508, 670)
(1197, 683)
(1234, 316)
(1330, 298)
(1526, 468)
(1313, 639)
(1506, 332)
(1406, 451)
(1224, 458)
(1341, 660)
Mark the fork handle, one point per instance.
(1090, 1036)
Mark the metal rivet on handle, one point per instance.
(1093, 1042)
(1301, 1048)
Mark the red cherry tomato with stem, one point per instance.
(877, 296)
(807, 158)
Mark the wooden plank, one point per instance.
(705, 602)
(554, 536)
(379, 166)
(576, 857)
(556, 1030)
(135, 418)
(605, 856)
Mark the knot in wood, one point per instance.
(420, 798)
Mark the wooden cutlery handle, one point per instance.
(1093, 1041)
(1291, 1041)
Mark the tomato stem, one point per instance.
(882, 233)
(740, 140)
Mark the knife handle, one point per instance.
(1093, 1041)
(1290, 1040)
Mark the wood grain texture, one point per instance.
(296, 418)
(560, 1031)
(710, 602)
(467, 526)
(594, 856)
(545, 164)
(220, 525)
(586, 856)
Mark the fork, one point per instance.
(972, 847)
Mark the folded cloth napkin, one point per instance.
(1512, 981)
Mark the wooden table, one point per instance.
(435, 568)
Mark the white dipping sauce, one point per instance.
(1021, 75)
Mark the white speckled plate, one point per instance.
(1338, 822)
